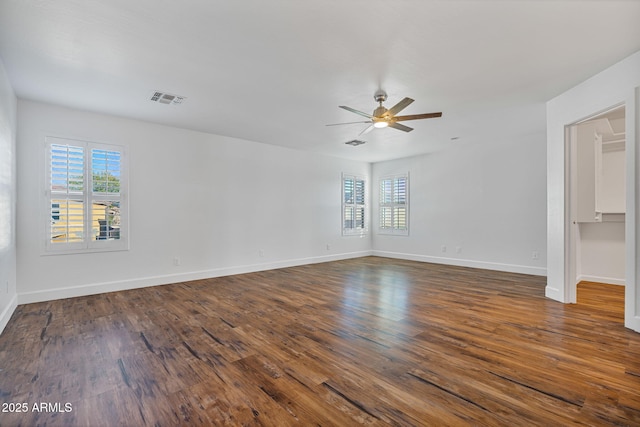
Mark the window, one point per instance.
(354, 220)
(394, 205)
(86, 201)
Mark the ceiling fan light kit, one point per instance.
(383, 117)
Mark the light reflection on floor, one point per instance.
(388, 301)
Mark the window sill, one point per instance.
(60, 251)
(394, 233)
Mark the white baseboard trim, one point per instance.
(554, 294)
(632, 322)
(8, 312)
(142, 282)
(511, 268)
(598, 279)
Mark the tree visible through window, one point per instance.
(85, 195)
(105, 168)
(394, 205)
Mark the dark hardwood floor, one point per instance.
(369, 341)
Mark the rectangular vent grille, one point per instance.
(355, 142)
(166, 98)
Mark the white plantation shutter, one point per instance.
(354, 219)
(359, 204)
(85, 203)
(67, 193)
(394, 205)
(105, 198)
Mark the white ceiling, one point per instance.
(275, 71)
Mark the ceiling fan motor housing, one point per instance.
(379, 111)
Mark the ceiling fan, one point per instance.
(383, 117)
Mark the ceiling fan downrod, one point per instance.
(380, 96)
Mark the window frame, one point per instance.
(393, 205)
(354, 231)
(86, 197)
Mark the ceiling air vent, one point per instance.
(355, 142)
(166, 98)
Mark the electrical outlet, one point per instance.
(458, 249)
(261, 253)
(535, 255)
(176, 261)
(328, 246)
(443, 249)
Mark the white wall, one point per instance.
(8, 106)
(614, 86)
(212, 201)
(485, 197)
(612, 198)
(602, 252)
(601, 245)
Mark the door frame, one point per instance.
(572, 233)
(620, 83)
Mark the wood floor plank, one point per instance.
(368, 341)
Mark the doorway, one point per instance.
(596, 201)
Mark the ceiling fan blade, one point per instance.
(356, 111)
(400, 127)
(399, 106)
(417, 117)
(348, 123)
(367, 130)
